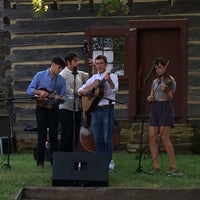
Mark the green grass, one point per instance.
(24, 173)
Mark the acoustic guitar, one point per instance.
(95, 94)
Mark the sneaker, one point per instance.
(174, 172)
(111, 165)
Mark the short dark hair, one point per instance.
(102, 57)
(70, 56)
(58, 61)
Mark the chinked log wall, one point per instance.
(33, 42)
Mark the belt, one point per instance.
(104, 107)
(49, 106)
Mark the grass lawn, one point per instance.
(24, 173)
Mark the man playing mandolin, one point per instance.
(101, 90)
(43, 85)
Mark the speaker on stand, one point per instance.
(6, 146)
(80, 169)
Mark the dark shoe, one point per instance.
(30, 128)
(40, 165)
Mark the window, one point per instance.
(113, 49)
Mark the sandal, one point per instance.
(174, 172)
(154, 170)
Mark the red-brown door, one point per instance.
(166, 38)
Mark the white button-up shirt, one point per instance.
(108, 92)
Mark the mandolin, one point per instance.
(51, 98)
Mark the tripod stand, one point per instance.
(141, 150)
(9, 124)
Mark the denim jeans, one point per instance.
(103, 125)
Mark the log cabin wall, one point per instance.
(32, 42)
(5, 81)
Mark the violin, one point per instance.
(167, 78)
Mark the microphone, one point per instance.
(74, 71)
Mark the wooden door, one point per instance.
(165, 38)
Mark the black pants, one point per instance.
(67, 125)
(46, 118)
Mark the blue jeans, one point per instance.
(103, 125)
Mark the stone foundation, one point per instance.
(130, 138)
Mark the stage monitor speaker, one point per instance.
(80, 169)
(5, 129)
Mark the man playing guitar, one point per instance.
(42, 85)
(103, 114)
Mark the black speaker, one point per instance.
(5, 135)
(80, 169)
(5, 129)
(7, 145)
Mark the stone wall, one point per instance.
(181, 137)
(130, 139)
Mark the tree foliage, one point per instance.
(39, 7)
(107, 7)
(110, 7)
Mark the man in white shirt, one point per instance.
(71, 109)
(103, 115)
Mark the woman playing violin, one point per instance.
(162, 114)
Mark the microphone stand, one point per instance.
(139, 168)
(9, 106)
(74, 72)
